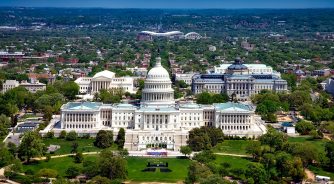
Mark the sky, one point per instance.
(191, 4)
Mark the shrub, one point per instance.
(48, 157)
(72, 171)
(86, 136)
(78, 158)
(49, 135)
(71, 136)
(62, 134)
(48, 173)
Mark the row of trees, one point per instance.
(210, 98)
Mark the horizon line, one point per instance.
(156, 8)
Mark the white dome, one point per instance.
(158, 71)
(105, 73)
(158, 87)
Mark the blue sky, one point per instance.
(227, 4)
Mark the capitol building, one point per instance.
(158, 119)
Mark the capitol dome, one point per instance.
(158, 87)
(158, 71)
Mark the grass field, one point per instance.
(85, 145)
(319, 144)
(179, 168)
(235, 162)
(232, 146)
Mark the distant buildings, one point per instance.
(32, 87)
(104, 80)
(239, 81)
(186, 77)
(174, 35)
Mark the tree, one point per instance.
(4, 125)
(203, 98)
(197, 172)
(78, 158)
(50, 135)
(71, 136)
(111, 166)
(48, 112)
(72, 171)
(257, 172)
(123, 152)
(120, 138)
(90, 168)
(329, 148)
(74, 147)
(186, 150)
(62, 134)
(12, 148)
(254, 149)
(304, 127)
(31, 146)
(205, 156)
(48, 173)
(104, 139)
(204, 138)
(274, 139)
(70, 90)
(100, 180)
(5, 156)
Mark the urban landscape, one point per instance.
(156, 92)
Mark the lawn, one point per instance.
(319, 144)
(235, 162)
(232, 146)
(85, 145)
(179, 169)
(320, 171)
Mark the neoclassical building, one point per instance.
(240, 80)
(158, 119)
(104, 80)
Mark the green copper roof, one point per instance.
(83, 106)
(232, 106)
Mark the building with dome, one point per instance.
(158, 120)
(104, 80)
(239, 80)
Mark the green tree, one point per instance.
(205, 156)
(4, 125)
(30, 146)
(71, 136)
(62, 134)
(197, 172)
(74, 147)
(104, 139)
(186, 150)
(257, 172)
(48, 173)
(111, 166)
(329, 148)
(70, 90)
(120, 140)
(5, 156)
(78, 157)
(304, 127)
(274, 139)
(72, 171)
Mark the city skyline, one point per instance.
(177, 4)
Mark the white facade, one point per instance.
(252, 69)
(9, 84)
(186, 77)
(30, 86)
(158, 119)
(104, 80)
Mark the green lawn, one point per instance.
(85, 145)
(179, 169)
(235, 162)
(232, 146)
(58, 164)
(320, 171)
(319, 144)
